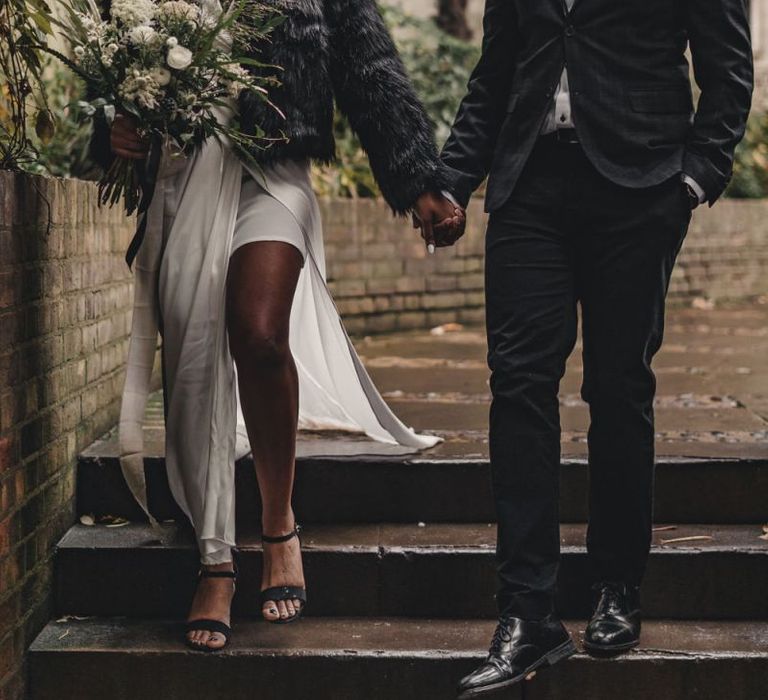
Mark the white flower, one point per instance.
(179, 57)
(142, 35)
(162, 76)
(179, 10)
(172, 41)
(108, 54)
(141, 89)
(79, 51)
(133, 12)
(239, 80)
(93, 30)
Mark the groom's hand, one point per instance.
(442, 223)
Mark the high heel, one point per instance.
(283, 593)
(208, 625)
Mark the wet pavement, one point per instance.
(712, 396)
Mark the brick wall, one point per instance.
(383, 279)
(64, 317)
(725, 255)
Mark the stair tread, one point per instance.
(367, 538)
(332, 447)
(387, 636)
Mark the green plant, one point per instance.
(24, 25)
(750, 170)
(66, 154)
(439, 65)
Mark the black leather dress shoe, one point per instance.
(519, 647)
(615, 624)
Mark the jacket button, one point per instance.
(569, 30)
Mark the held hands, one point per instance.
(442, 223)
(125, 140)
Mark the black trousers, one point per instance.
(570, 236)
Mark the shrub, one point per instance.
(24, 25)
(66, 154)
(750, 169)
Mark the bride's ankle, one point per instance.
(226, 566)
(278, 525)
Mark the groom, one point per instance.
(581, 111)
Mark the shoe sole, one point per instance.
(564, 651)
(609, 650)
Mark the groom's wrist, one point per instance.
(451, 198)
(695, 189)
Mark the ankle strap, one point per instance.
(217, 574)
(282, 538)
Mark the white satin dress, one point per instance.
(200, 213)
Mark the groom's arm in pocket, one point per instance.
(722, 62)
(469, 150)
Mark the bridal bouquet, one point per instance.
(176, 66)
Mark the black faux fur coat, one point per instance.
(339, 50)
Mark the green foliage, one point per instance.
(351, 175)
(24, 24)
(66, 154)
(750, 170)
(439, 65)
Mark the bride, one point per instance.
(231, 272)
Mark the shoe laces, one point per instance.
(501, 636)
(610, 597)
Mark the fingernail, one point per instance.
(431, 248)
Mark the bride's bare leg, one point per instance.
(260, 288)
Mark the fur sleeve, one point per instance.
(373, 90)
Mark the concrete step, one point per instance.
(342, 480)
(437, 570)
(381, 659)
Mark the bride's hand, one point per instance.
(125, 140)
(442, 223)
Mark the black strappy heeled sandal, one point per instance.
(278, 593)
(205, 624)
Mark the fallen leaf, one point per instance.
(695, 538)
(447, 328)
(61, 636)
(665, 528)
(530, 676)
(87, 520)
(703, 304)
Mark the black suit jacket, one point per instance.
(629, 84)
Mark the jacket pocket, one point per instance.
(661, 101)
(512, 103)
